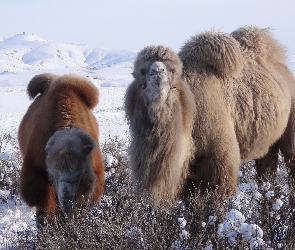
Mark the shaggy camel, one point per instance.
(58, 138)
(195, 118)
(160, 109)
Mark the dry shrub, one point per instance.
(122, 221)
(10, 160)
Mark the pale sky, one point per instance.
(134, 24)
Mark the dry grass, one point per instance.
(122, 221)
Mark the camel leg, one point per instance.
(40, 217)
(268, 163)
(287, 145)
(33, 184)
(47, 214)
(217, 173)
(216, 169)
(289, 159)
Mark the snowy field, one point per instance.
(23, 56)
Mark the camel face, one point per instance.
(67, 183)
(158, 82)
(68, 161)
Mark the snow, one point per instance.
(25, 55)
(181, 222)
(25, 38)
(28, 54)
(269, 194)
(110, 160)
(184, 235)
(277, 204)
(234, 224)
(4, 156)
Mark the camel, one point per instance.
(196, 116)
(58, 137)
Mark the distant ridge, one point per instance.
(28, 52)
(25, 37)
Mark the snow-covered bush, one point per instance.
(259, 216)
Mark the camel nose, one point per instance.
(66, 196)
(158, 72)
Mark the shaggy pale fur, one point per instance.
(62, 103)
(243, 109)
(258, 45)
(241, 114)
(161, 142)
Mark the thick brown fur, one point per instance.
(243, 109)
(63, 102)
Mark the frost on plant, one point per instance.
(234, 225)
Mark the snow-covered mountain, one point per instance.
(24, 52)
(23, 56)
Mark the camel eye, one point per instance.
(143, 71)
(173, 71)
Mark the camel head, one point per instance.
(157, 70)
(158, 81)
(68, 161)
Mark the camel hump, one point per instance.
(40, 84)
(256, 42)
(84, 88)
(213, 52)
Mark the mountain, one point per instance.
(26, 52)
(25, 55)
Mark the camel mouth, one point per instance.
(66, 193)
(67, 207)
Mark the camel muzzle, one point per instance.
(66, 195)
(157, 74)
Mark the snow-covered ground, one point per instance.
(23, 56)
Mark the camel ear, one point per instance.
(47, 149)
(87, 149)
(49, 144)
